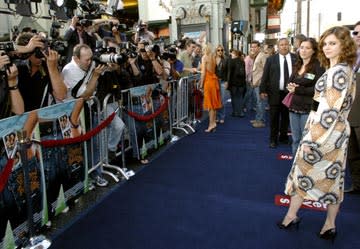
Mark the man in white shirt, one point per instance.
(80, 77)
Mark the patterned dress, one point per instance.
(319, 175)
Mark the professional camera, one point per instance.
(111, 58)
(7, 46)
(121, 27)
(55, 45)
(85, 22)
(169, 55)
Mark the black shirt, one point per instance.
(32, 88)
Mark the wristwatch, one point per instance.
(13, 87)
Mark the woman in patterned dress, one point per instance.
(318, 170)
(210, 83)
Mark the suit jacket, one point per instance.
(258, 69)
(270, 80)
(354, 115)
(72, 38)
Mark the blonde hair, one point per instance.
(207, 49)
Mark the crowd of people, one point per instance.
(318, 76)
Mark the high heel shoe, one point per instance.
(211, 129)
(294, 223)
(329, 234)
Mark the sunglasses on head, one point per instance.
(355, 32)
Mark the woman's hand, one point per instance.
(291, 87)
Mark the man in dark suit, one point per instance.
(277, 71)
(354, 120)
(78, 34)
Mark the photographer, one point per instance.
(11, 101)
(110, 28)
(115, 79)
(80, 77)
(143, 33)
(147, 64)
(39, 79)
(79, 32)
(176, 66)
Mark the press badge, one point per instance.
(309, 76)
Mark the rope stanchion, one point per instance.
(145, 118)
(81, 138)
(5, 174)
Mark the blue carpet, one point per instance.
(208, 191)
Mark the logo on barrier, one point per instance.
(282, 156)
(284, 200)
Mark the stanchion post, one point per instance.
(24, 143)
(34, 242)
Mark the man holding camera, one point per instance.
(143, 33)
(80, 77)
(148, 65)
(115, 79)
(79, 32)
(11, 101)
(39, 79)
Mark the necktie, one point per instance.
(286, 71)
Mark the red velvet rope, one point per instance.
(82, 138)
(145, 118)
(4, 176)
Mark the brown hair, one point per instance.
(348, 46)
(78, 48)
(313, 60)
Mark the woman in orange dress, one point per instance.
(210, 84)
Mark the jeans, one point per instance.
(297, 124)
(115, 129)
(220, 113)
(260, 106)
(249, 98)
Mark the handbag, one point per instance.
(287, 100)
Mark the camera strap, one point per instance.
(74, 91)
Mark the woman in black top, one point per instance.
(301, 83)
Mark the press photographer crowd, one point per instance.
(93, 57)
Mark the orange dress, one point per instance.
(212, 98)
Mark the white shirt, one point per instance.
(72, 74)
(288, 60)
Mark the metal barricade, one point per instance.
(99, 141)
(123, 171)
(183, 115)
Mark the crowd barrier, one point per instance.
(46, 159)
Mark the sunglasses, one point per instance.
(355, 32)
(220, 50)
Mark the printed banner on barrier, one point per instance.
(51, 169)
(148, 135)
(284, 200)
